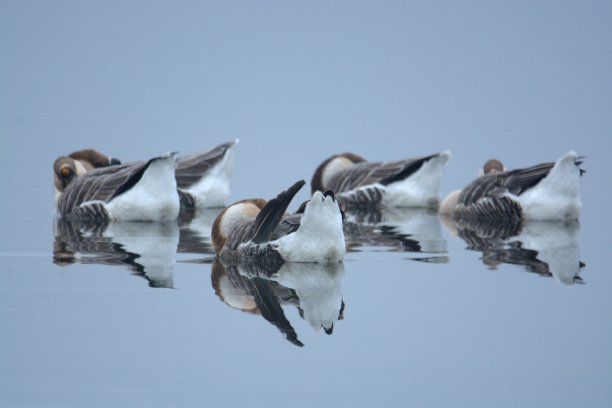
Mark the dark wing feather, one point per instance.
(241, 233)
(261, 229)
(519, 181)
(269, 216)
(408, 167)
(100, 185)
(190, 169)
(495, 185)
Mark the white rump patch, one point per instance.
(557, 196)
(320, 237)
(421, 189)
(213, 189)
(153, 198)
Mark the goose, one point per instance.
(202, 179)
(205, 177)
(360, 184)
(450, 201)
(66, 168)
(548, 191)
(138, 191)
(256, 229)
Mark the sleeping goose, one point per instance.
(450, 201)
(138, 191)
(202, 179)
(549, 191)
(361, 184)
(206, 176)
(260, 230)
(66, 168)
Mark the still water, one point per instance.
(420, 312)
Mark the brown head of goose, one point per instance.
(66, 168)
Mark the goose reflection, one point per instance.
(148, 249)
(548, 248)
(195, 235)
(399, 229)
(315, 289)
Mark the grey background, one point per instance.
(523, 81)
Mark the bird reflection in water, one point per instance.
(147, 249)
(415, 230)
(195, 234)
(315, 289)
(548, 248)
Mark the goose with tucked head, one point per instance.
(361, 184)
(450, 201)
(138, 191)
(260, 230)
(548, 191)
(201, 179)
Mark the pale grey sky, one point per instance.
(524, 81)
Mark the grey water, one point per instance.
(142, 314)
(419, 313)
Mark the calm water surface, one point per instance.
(420, 312)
